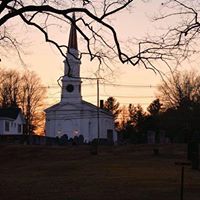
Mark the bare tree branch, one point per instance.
(175, 44)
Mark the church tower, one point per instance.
(71, 81)
(73, 116)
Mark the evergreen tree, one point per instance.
(154, 107)
(113, 106)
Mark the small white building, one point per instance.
(72, 115)
(11, 121)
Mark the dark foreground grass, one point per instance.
(116, 173)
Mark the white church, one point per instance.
(72, 115)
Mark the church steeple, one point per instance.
(71, 81)
(73, 44)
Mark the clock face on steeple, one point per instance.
(70, 88)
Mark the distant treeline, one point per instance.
(175, 112)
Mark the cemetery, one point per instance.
(77, 149)
(117, 172)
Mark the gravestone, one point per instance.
(151, 137)
(162, 137)
(110, 140)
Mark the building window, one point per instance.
(19, 128)
(7, 126)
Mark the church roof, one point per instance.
(84, 106)
(73, 44)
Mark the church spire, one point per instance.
(73, 44)
(71, 81)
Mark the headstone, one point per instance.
(80, 139)
(162, 137)
(110, 140)
(151, 135)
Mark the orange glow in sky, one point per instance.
(128, 84)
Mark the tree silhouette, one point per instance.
(24, 90)
(154, 107)
(134, 127)
(180, 96)
(181, 89)
(136, 116)
(113, 106)
(9, 88)
(179, 40)
(93, 23)
(92, 18)
(32, 101)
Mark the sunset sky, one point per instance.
(127, 84)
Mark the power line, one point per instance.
(105, 95)
(127, 97)
(107, 84)
(131, 85)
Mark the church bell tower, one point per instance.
(71, 81)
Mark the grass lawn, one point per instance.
(117, 173)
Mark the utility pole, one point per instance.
(98, 125)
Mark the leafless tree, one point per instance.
(32, 101)
(24, 90)
(180, 38)
(9, 88)
(92, 16)
(93, 24)
(180, 90)
(101, 39)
